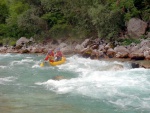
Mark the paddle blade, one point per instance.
(42, 64)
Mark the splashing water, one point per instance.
(89, 86)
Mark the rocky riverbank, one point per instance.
(137, 54)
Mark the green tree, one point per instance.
(105, 21)
(30, 22)
(3, 11)
(16, 8)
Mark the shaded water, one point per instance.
(90, 86)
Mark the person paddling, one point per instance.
(50, 56)
(58, 55)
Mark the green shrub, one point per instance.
(129, 41)
(143, 37)
(107, 22)
(59, 30)
(9, 41)
(12, 43)
(1, 41)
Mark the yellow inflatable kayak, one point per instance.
(58, 62)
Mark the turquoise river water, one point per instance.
(90, 86)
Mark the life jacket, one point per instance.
(51, 59)
(51, 54)
(46, 58)
(59, 53)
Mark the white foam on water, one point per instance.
(29, 57)
(5, 55)
(21, 62)
(6, 80)
(3, 67)
(27, 60)
(78, 64)
(46, 65)
(36, 66)
(122, 87)
(9, 55)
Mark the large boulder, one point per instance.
(134, 48)
(121, 52)
(110, 53)
(121, 55)
(140, 53)
(102, 48)
(137, 55)
(3, 49)
(67, 50)
(22, 41)
(37, 49)
(78, 48)
(85, 42)
(120, 49)
(136, 27)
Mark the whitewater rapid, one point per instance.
(123, 87)
(112, 82)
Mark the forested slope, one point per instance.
(69, 18)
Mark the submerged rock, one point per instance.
(142, 63)
(135, 65)
(58, 77)
(117, 67)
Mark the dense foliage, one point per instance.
(69, 18)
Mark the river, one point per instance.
(89, 86)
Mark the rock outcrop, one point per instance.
(136, 27)
(22, 41)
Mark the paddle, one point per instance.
(42, 63)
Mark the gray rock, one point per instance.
(135, 65)
(145, 43)
(136, 27)
(78, 48)
(22, 41)
(121, 55)
(110, 53)
(31, 39)
(85, 42)
(137, 55)
(120, 49)
(67, 50)
(62, 45)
